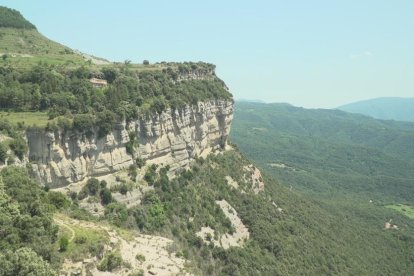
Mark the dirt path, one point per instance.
(63, 224)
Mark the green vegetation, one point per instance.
(3, 152)
(13, 19)
(308, 237)
(329, 153)
(24, 48)
(63, 244)
(25, 223)
(404, 209)
(110, 262)
(86, 241)
(23, 261)
(39, 119)
(59, 91)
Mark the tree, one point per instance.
(3, 152)
(145, 62)
(23, 261)
(19, 147)
(58, 200)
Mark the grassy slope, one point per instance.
(404, 209)
(39, 119)
(28, 47)
(25, 48)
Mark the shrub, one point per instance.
(110, 262)
(3, 152)
(150, 174)
(123, 189)
(80, 239)
(64, 123)
(103, 184)
(92, 185)
(117, 213)
(19, 147)
(82, 194)
(140, 258)
(63, 244)
(106, 196)
(58, 200)
(140, 162)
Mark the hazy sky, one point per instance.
(311, 53)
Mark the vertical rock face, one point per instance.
(174, 137)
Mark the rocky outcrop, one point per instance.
(174, 138)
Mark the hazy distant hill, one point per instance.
(399, 109)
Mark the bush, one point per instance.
(19, 147)
(140, 258)
(58, 200)
(116, 213)
(64, 123)
(103, 184)
(140, 162)
(106, 196)
(150, 174)
(110, 262)
(92, 185)
(23, 261)
(3, 152)
(82, 194)
(123, 189)
(80, 239)
(63, 244)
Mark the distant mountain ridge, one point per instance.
(389, 108)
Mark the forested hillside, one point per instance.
(290, 234)
(328, 152)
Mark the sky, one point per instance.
(315, 54)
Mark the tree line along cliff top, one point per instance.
(42, 76)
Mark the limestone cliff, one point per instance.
(174, 137)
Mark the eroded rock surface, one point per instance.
(174, 137)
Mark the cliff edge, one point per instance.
(173, 137)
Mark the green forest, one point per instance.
(307, 238)
(328, 153)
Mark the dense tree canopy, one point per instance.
(129, 93)
(10, 18)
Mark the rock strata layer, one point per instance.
(174, 138)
